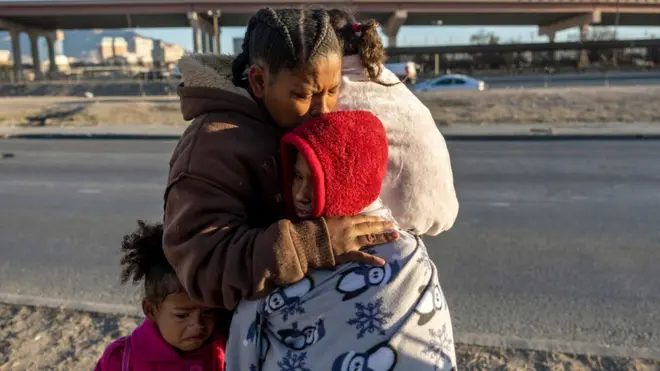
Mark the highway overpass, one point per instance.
(525, 47)
(206, 17)
(87, 14)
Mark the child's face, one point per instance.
(303, 188)
(183, 323)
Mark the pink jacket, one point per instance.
(145, 350)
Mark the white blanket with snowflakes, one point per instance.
(354, 318)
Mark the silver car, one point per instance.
(451, 82)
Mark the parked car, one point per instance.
(451, 82)
(405, 71)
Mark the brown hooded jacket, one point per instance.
(223, 227)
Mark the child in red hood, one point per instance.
(329, 176)
(357, 316)
(177, 333)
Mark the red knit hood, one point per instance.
(347, 155)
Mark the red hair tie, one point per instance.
(356, 29)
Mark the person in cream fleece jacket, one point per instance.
(419, 184)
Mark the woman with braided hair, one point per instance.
(225, 231)
(419, 185)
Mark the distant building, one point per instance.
(112, 47)
(173, 53)
(62, 62)
(90, 56)
(165, 53)
(131, 59)
(5, 57)
(105, 48)
(120, 46)
(142, 47)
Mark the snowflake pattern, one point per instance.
(296, 307)
(294, 362)
(370, 318)
(423, 255)
(439, 347)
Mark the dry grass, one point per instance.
(51, 339)
(529, 106)
(77, 112)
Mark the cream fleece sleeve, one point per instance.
(419, 185)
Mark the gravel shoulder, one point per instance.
(39, 338)
(498, 106)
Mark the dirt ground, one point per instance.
(37, 338)
(524, 106)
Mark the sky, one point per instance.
(409, 35)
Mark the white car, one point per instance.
(451, 82)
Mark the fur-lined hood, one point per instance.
(207, 71)
(207, 86)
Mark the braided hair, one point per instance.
(144, 259)
(360, 39)
(284, 39)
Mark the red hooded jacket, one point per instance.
(347, 155)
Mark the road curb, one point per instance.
(484, 340)
(38, 301)
(551, 137)
(448, 137)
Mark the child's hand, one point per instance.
(349, 234)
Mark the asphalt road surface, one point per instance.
(555, 240)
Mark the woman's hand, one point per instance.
(349, 234)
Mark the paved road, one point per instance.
(555, 240)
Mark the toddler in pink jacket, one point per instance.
(178, 333)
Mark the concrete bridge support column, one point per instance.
(218, 44)
(211, 43)
(15, 29)
(551, 40)
(216, 32)
(393, 25)
(196, 29)
(197, 45)
(584, 36)
(207, 30)
(52, 62)
(36, 59)
(205, 42)
(391, 41)
(16, 54)
(582, 21)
